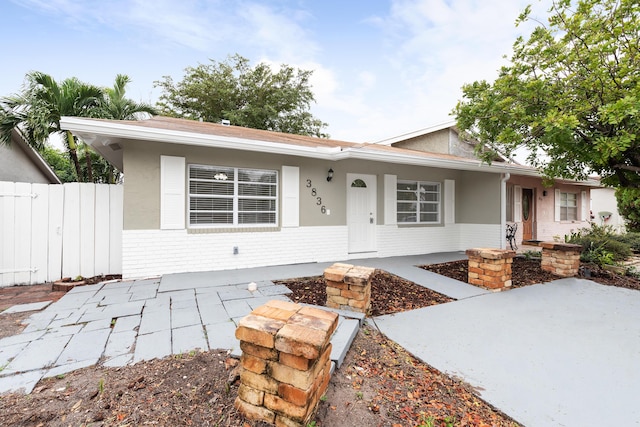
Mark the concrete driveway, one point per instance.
(565, 353)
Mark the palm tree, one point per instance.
(36, 112)
(113, 106)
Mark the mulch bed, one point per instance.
(527, 272)
(389, 293)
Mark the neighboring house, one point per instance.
(21, 163)
(604, 208)
(203, 196)
(540, 213)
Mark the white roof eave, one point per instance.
(99, 133)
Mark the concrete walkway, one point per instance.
(119, 323)
(564, 353)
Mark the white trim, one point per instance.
(390, 200)
(99, 134)
(556, 214)
(584, 212)
(517, 203)
(449, 201)
(290, 196)
(172, 192)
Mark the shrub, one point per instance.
(632, 239)
(600, 244)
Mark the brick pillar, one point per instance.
(349, 287)
(562, 259)
(285, 362)
(490, 268)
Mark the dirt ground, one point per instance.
(379, 384)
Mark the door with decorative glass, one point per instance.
(527, 214)
(361, 212)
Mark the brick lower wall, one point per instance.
(562, 259)
(490, 268)
(285, 361)
(349, 287)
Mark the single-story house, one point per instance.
(19, 162)
(204, 196)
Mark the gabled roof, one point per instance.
(107, 136)
(36, 159)
(418, 133)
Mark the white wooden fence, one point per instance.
(52, 231)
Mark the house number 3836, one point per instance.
(314, 193)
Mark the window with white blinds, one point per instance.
(418, 202)
(225, 196)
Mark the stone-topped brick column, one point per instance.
(562, 259)
(490, 268)
(349, 287)
(285, 362)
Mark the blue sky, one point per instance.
(381, 67)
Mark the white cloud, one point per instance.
(414, 56)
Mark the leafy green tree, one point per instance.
(629, 207)
(571, 94)
(36, 112)
(115, 106)
(38, 109)
(254, 97)
(59, 162)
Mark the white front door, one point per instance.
(361, 212)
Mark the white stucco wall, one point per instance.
(604, 200)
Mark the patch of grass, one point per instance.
(359, 395)
(426, 421)
(101, 386)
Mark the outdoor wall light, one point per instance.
(330, 175)
(544, 193)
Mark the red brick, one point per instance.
(284, 305)
(296, 362)
(338, 299)
(251, 395)
(282, 421)
(273, 313)
(296, 395)
(258, 351)
(259, 382)
(281, 406)
(352, 295)
(336, 272)
(336, 285)
(253, 412)
(312, 322)
(320, 313)
(297, 378)
(301, 341)
(258, 330)
(253, 364)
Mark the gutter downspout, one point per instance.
(503, 209)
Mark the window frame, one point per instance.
(564, 207)
(234, 196)
(418, 203)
